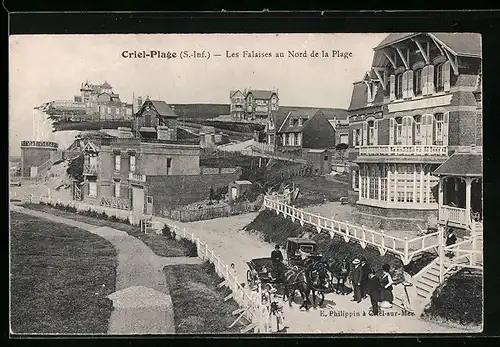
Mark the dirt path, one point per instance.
(142, 303)
(339, 314)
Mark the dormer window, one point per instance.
(301, 122)
(439, 78)
(399, 86)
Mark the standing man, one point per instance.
(373, 290)
(277, 261)
(366, 269)
(356, 280)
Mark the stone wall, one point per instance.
(171, 192)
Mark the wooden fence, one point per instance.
(405, 248)
(249, 301)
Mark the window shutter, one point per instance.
(410, 131)
(446, 76)
(423, 130)
(375, 132)
(365, 133)
(403, 131)
(409, 92)
(424, 81)
(430, 79)
(405, 84)
(431, 130)
(446, 117)
(392, 94)
(391, 131)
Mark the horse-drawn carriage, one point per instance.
(298, 250)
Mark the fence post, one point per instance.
(406, 250)
(206, 250)
(441, 254)
(184, 232)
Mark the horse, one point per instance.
(296, 279)
(340, 270)
(320, 280)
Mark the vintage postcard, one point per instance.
(246, 184)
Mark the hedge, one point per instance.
(458, 300)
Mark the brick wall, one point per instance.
(171, 192)
(467, 128)
(392, 219)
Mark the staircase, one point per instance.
(427, 280)
(43, 168)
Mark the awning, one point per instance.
(462, 164)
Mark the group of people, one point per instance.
(366, 283)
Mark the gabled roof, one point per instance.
(90, 147)
(161, 107)
(359, 98)
(106, 85)
(332, 113)
(233, 92)
(462, 44)
(462, 164)
(262, 94)
(304, 114)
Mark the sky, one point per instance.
(52, 67)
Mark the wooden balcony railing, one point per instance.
(454, 215)
(136, 177)
(114, 202)
(404, 150)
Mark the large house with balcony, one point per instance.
(237, 105)
(413, 109)
(259, 104)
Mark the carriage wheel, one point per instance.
(250, 279)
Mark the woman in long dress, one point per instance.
(386, 283)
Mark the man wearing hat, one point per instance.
(366, 269)
(356, 280)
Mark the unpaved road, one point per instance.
(225, 237)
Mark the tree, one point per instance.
(341, 148)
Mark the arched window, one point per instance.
(371, 133)
(418, 123)
(399, 130)
(438, 129)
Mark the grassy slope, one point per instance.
(458, 300)
(317, 190)
(159, 244)
(199, 305)
(56, 272)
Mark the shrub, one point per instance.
(459, 300)
(75, 168)
(192, 249)
(166, 231)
